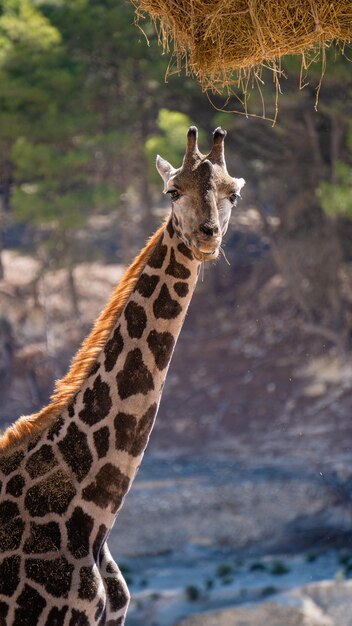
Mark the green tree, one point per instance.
(336, 198)
(45, 152)
(26, 38)
(169, 142)
(286, 165)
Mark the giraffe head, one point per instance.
(202, 195)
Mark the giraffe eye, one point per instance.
(175, 195)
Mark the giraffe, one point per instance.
(65, 471)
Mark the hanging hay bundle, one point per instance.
(224, 42)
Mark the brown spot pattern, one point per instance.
(31, 605)
(55, 428)
(8, 510)
(71, 408)
(176, 269)
(116, 594)
(125, 429)
(79, 528)
(146, 285)
(131, 436)
(50, 494)
(99, 541)
(10, 463)
(55, 575)
(43, 538)
(98, 612)
(94, 369)
(41, 461)
(113, 349)
(56, 616)
(161, 345)
(88, 584)
(111, 568)
(78, 618)
(134, 377)
(158, 255)
(97, 402)
(15, 485)
(185, 251)
(181, 289)
(76, 452)
(32, 444)
(136, 320)
(109, 487)
(164, 306)
(11, 534)
(101, 441)
(4, 609)
(170, 228)
(9, 575)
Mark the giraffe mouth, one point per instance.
(203, 255)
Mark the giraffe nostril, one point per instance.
(209, 230)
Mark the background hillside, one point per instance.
(252, 440)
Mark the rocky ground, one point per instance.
(220, 533)
(323, 604)
(250, 460)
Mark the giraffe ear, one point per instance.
(240, 182)
(165, 170)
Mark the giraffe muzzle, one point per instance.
(206, 248)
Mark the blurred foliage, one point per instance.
(336, 199)
(170, 140)
(80, 96)
(335, 195)
(85, 107)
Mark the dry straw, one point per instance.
(227, 42)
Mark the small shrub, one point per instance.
(348, 570)
(127, 572)
(340, 575)
(268, 591)
(227, 580)
(279, 568)
(257, 566)
(209, 584)
(155, 596)
(311, 557)
(192, 593)
(345, 558)
(224, 570)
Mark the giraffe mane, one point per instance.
(82, 363)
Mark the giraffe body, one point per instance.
(63, 483)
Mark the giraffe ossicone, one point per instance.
(65, 471)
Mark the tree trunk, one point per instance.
(73, 293)
(2, 270)
(309, 260)
(334, 148)
(145, 192)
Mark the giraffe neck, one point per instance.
(103, 434)
(62, 488)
